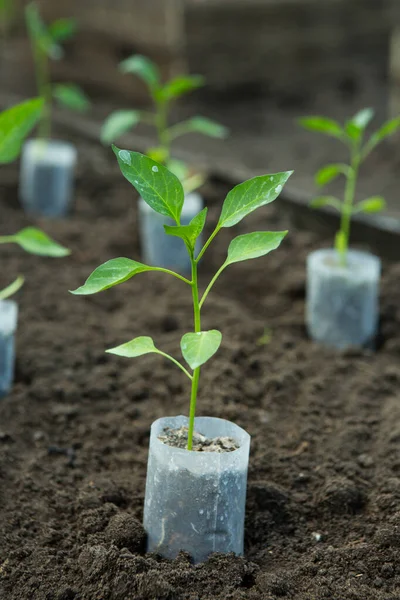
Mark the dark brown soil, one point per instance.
(323, 509)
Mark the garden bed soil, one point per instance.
(323, 508)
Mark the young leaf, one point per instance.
(158, 187)
(35, 241)
(15, 124)
(385, 131)
(136, 347)
(118, 123)
(198, 348)
(158, 154)
(62, 29)
(143, 67)
(71, 96)
(39, 32)
(249, 195)
(201, 125)
(12, 289)
(111, 273)
(329, 173)
(323, 125)
(189, 233)
(356, 125)
(253, 245)
(326, 201)
(181, 85)
(371, 205)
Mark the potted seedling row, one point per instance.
(47, 165)
(15, 125)
(342, 306)
(197, 469)
(156, 249)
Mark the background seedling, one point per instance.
(164, 193)
(163, 96)
(34, 241)
(46, 46)
(352, 135)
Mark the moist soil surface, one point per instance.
(323, 506)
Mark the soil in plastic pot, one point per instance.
(323, 507)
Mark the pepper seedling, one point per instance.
(162, 96)
(15, 124)
(164, 193)
(46, 46)
(33, 241)
(352, 135)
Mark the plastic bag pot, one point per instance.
(162, 250)
(342, 301)
(47, 177)
(195, 501)
(8, 326)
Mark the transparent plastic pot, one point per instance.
(47, 177)
(195, 501)
(162, 250)
(8, 326)
(342, 305)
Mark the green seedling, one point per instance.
(46, 46)
(164, 193)
(15, 125)
(162, 96)
(352, 135)
(34, 241)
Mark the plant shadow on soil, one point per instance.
(323, 508)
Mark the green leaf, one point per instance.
(181, 85)
(62, 29)
(12, 289)
(136, 347)
(39, 32)
(253, 245)
(15, 125)
(143, 67)
(356, 126)
(363, 117)
(158, 153)
(189, 233)
(371, 205)
(158, 187)
(321, 201)
(118, 123)
(71, 96)
(330, 172)
(111, 273)
(249, 195)
(198, 348)
(35, 241)
(385, 131)
(204, 126)
(323, 125)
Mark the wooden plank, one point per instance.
(301, 37)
